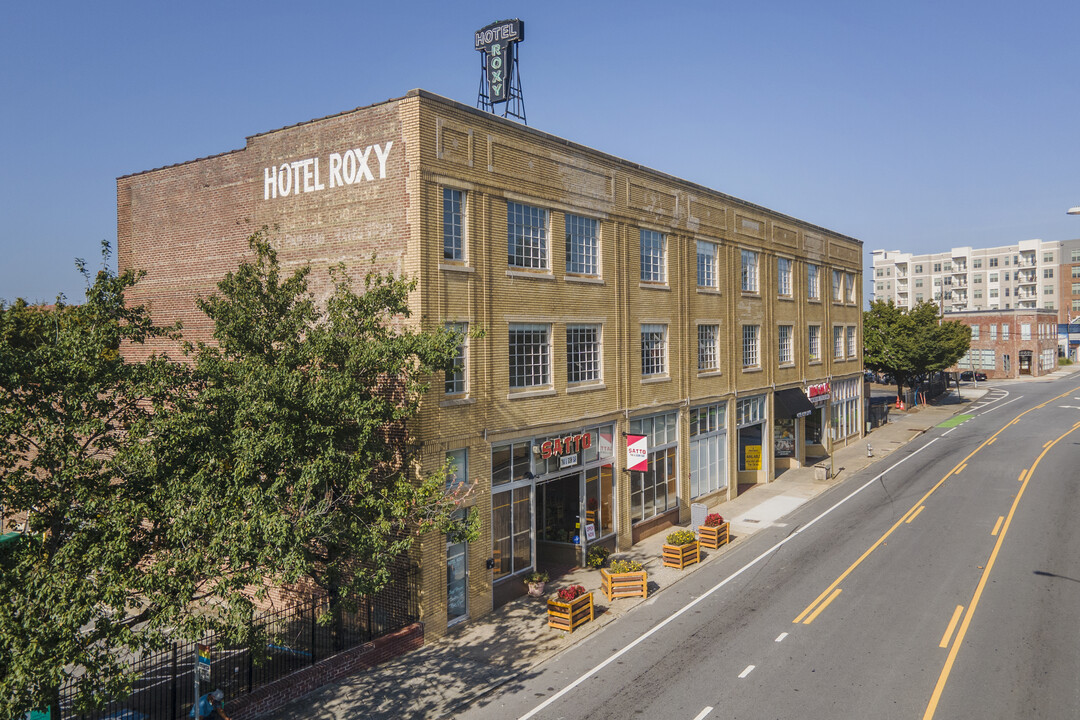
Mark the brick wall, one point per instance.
(273, 695)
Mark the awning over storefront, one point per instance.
(792, 403)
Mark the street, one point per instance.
(942, 582)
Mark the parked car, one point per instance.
(967, 376)
(980, 376)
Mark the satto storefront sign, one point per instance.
(637, 453)
(818, 393)
(569, 445)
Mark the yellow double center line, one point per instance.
(955, 649)
(808, 615)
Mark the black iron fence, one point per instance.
(294, 638)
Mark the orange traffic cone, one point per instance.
(899, 403)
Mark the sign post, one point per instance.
(202, 672)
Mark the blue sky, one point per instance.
(911, 126)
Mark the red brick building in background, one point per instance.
(1010, 343)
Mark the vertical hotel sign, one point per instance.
(637, 453)
(497, 42)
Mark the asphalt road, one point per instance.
(943, 582)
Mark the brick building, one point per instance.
(727, 334)
(1010, 343)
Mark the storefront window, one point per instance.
(750, 419)
(654, 491)
(784, 437)
(599, 509)
(845, 408)
(708, 445)
(511, 521)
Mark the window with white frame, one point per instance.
(849, 283)
(530, 355)
(813, 282)
(655, 490)
(851, 349)
(707, 274)
(814, 342)
(453, 224)
(837, 285)
(653, 260)
(708, 354)
(1025, 331)
(1004, 331)
(457, 378)
(751, 346)
(838, 342)
(582, 353)
(993, 331)
(653, 350)
(582, 245)
(708, 449)
(785, 352)
(783, 277)
(974, 332)
(749, 273)
(526, 236)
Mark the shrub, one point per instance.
(714, 520)
(598, 554)
(571, 593)
(625, 566)
(536, 577)
(681, 537)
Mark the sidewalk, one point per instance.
(480, 656)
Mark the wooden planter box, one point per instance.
(679, 556)
(713, 537)
(568, 615)
(620, 585)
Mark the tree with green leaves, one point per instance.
(164, 499)
(908, 344)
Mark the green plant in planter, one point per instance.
(598, 555)
(681, 537)
(625, 566)
(538, 576)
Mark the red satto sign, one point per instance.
(818, 392)
(565, 445)
(637, 452)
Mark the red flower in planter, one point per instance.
(571, 593)
(714, 520)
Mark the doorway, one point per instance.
(457, 578)
(559, 531)
(1025, 362)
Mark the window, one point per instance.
(511, 528)
(976, 278)
(838, 342)
(653, 350)
(937, 267)
(652, 256)
(1075, 255)
(1048, 272)
(459, 468)
(948, 267)
(1076, 304)
(582, 248)
(453, 213)
(814, 337)
(851, 349)
(1006, 278)
(783, 277)
(993, 277)
(813, 288)
(918, 297)
(708, 467)
(993, 331)
(526, 236)
(993, 292)
(837, 285)
(1048, 289)
(749, 271)
(918, 269)
(849, 283)
(707, 275)
(1075, 271)
(974, 332)
(1075, 289)
(976, 294)
(653, 492)
(918, 282)
(456, 379)
(751, 356)
(994, 262)
(784, 349)
(976, 263)
(880, 272)
(1048, 257)
(880, 287)
(582, 353)
(708, 355)
(1025, 331)
(1004, 331)
(529, 356)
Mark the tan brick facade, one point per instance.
(187, 225)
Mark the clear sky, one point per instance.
(911, 126)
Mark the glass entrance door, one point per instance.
(560, 531)
(457, 582)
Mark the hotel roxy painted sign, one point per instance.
(349, 167)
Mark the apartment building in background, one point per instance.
(1032, 274)
(620, 305)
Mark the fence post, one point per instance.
(174, 698)
(313, 614)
